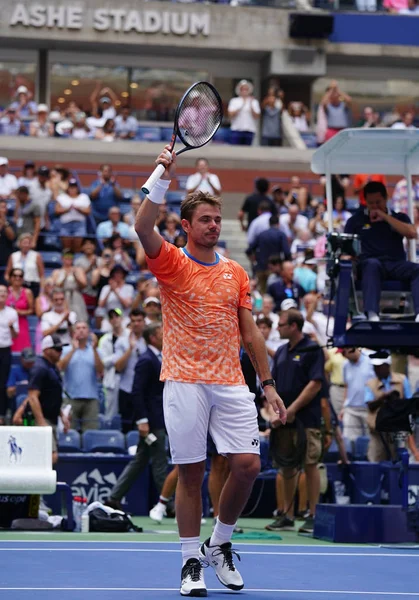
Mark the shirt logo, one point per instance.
(228, 275)
(255, 442)
(296, 358)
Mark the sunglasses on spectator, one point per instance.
(20, 275)
(107, 256)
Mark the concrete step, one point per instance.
(236, 241)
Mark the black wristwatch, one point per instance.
(268, 382)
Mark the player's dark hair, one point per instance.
(262, 185)
(375, 187)
(192, 201)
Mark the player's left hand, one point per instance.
(276, 402)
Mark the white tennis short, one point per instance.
(227, 412)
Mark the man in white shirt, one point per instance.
(125, 124)
(41, 194)
(59, 320)
(8, 182)
(405, 123)
(9, 330)
(261, 223)
(292, 222)
(203, 180)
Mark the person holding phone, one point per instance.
(104, 193)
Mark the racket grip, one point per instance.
(153, 179)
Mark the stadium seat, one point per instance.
(69, 442)
(127, 194)
(124, 207)
(352, 204)
(309, 138)
(181, 180)
(175, 197)
(110, 424)
(107, 440)
(221, 136)
(51, 259)
(132, 278)
(148, 134)
(132, 438)
(166, 134)
(361, 447)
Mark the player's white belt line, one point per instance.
(160, 550)
(136, 589)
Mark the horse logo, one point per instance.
(15, 450)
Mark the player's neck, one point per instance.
(205, 255)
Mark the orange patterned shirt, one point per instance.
(200, 305)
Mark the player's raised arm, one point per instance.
(147, 213)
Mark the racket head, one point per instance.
(198, 116)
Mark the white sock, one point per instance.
(417, 319)
(222, 533)
(190, 548)
(372, 316)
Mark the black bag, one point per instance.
(116, 522)
(396, 414)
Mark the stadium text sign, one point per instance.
(113, 19)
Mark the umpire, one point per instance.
(46, 390)
(147, 395)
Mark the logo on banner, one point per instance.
(15, 450)
(94, 486)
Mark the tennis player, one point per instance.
(206, 307)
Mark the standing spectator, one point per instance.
(28, 174)
(41, 194)
(299, 376)
(399, 201)
(127, 351)
(41, 127)
(336, 105)
(27, 215)
(152, 309)
(334, 369)
(286, 288)
(203, 180)
(340, 184)
(29, 261)
(59, 320)
(102, 100)
(125, 124)
(279, 199)
(129, 217)
(71, 280)
(268, 243)
(244, 113)
(59, 178)
(318, 224)
(173, 228)
(20, 375)
(10, 124)
(43, 304)
(8, 182)
(298, 113)
(271, 120)
(107, 229)
(261, 223)
(88, 261)
(82, 366)
(292, 222)
(120, 255)
(357, 370)
(116, 294)
(73, 208)
(251, 204)
(406, 122)
(7, 237)
(105, 193)
(21, 299)
(298, 194)
(24, 106)
(107, 354)
(147, 398)
(361, 180)
(9, 330)
(101, 275)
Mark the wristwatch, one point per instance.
(268, 382)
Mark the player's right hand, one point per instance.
(168, 160)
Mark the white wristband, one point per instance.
(158, 192)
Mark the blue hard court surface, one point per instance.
(140, 570)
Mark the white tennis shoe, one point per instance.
(192, 579)
(221, 560)
(158, 512)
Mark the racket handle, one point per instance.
(153, 179)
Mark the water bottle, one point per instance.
(28, 419)
(257, 302)
(85, 523)
(77, 512)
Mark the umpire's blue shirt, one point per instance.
(46, 378)
(378, 239)
(293, 370)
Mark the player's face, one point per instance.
(205, 228)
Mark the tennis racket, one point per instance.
(198, 116)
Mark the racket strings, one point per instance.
(200, 115)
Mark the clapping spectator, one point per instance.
(271, 119)
(203, 180)
(101, 275)
(318, 224)
(125, 124)
(173, 228)
(73, 208)
(10, 124)
(27, 214)
(303, 241)
(59, 319)
(71, 280)
(24, 106)
(59, 178)
(244, 113)
(114, 225)
(336, 105)
(8, 182)
(102, 100)
(298, 194)
(406, 122)
(28, 176)
(116, 294)
(108, 133)
(298, 113)
(41, 127)
(120, 256)
(105, 193)
(370, 118)
(29, 261)
(43, 304)
(292, 222)
(21, 299)
(81, 130)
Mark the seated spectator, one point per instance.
(370, 118)
(107, 133)
(20, 374)
(7, 238)
(107, 229)
(28, 176)
(286, 287)
(27, 215)
(104, 193)
(298, 194)
(88, 261)
(73, 208)
(10, 124)
(292, 222)
(305, 275)
(81, 130)
(59, 178)
(274, 268)
(299, 113)
(71, 280)
(244, 113)
(152, 309)
(279, 199)
(129, 217)
(340, 214)
(251, 203)
(383, 256)
(270, 242)
(303, 241)
(120, 256)
(59, 319)
(361, 180)
(271, 119)
(319, 223)
(24, 106)
(116, 294)
(125, 124)
(8, 182)
(406, 122)
(173, 228)
(203, 180)
(336, 105)
(268, 307)
(43, 304)
(21, 299)
(261, 223)
(41, 127)
(29, 261)
(399, 201)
